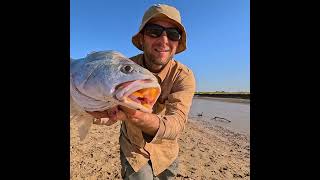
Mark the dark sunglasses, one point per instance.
(155, 31)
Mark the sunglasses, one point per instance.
(155, 31)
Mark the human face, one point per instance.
(158, 51)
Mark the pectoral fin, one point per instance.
(83, 119)
(84, 127)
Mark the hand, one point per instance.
(104, 121)
(149, 123)
(113, 114)
(131, 114)
(127, 111)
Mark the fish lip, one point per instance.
(132, 87)
(122, 94)
(135, 105)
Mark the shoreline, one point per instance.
(224, 99)
(206, 152)
(224, 95)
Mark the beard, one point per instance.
(154, 61)
(155, 64)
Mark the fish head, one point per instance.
(108, 76)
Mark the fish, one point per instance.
(104, 79)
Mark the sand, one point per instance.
(206, 152)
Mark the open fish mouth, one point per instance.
(139, 94)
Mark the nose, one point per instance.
(164, 38)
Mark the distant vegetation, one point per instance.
(243, 95)
(221, 92)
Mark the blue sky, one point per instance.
(218, 36)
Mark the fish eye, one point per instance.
(127, 69)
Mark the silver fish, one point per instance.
(105, 79)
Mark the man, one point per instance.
(148, 142)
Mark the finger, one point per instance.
(94, 114)
(110, 122)
(104, 120)
(97, 121)
(112, 112)
(121, 116)
(99, 114)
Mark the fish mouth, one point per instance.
(139, 94)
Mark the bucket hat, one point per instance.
(162, 11)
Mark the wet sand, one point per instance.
(206, 152)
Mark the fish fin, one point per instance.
(84, 127)
(82, 118)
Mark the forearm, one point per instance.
(164, 127)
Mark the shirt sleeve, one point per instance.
(177, 107)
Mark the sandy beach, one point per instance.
(206, 152)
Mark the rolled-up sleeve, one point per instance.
(177, 107)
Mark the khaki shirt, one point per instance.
(172, 107)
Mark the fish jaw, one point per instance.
(139, 94)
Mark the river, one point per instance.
(230, 113)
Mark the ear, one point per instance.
(141, 41)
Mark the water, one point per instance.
(235, 110)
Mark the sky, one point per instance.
(218, 36)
